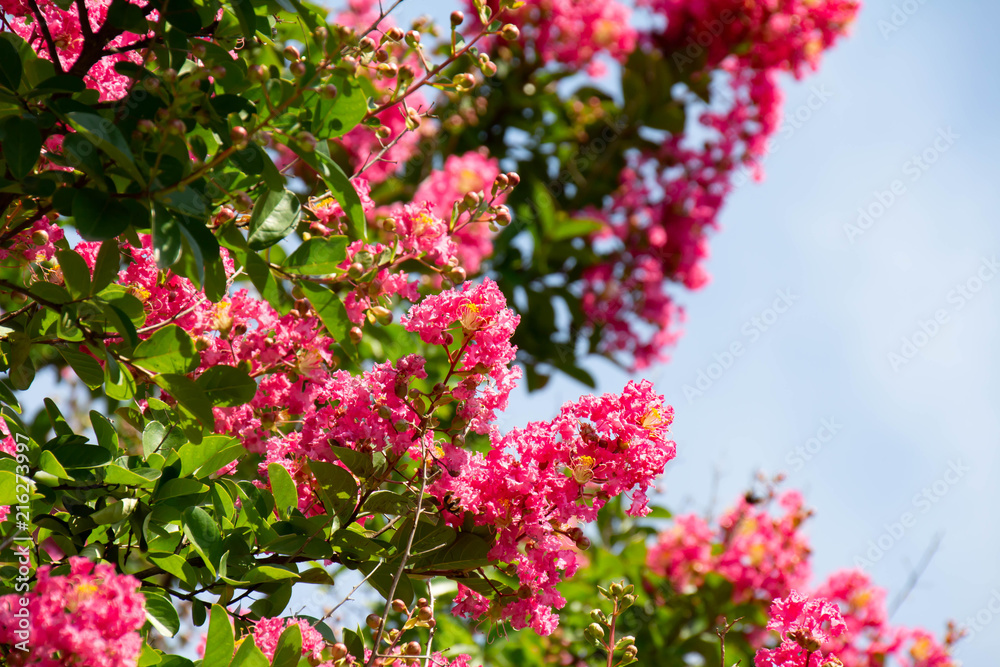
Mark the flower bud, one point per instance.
(328, 91)
(598, 616)
(412, 38)
(291, 53)
(595, 631)
(40, 237)
(239, 137)
(399, 606)
(457, 18)
(412, 648)
(616, 590)
(373, 621)
(356, 270)
(355, 334)
(382, 315)
(306, 140)
(471, 199)
(395, 33)
(510, 32)
(368, 44)
(503, 215)
(338, 651)
(464, 81)
(258, 73)
(630, 652)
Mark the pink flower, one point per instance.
(90, 616)
(267, 632)
(804, 625)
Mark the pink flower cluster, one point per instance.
(267, 632)
(575, 32)
(64, 27)
(805, 625)
(869, 639)
(670, 198)
(88, 617)
(460, 175)
(763, 556)
(35, 244)
(536, 483)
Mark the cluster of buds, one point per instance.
(394, 648)
(601, 632)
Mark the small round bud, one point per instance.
(425, 614)
(198, 49)
(218, 71)
(513, 178)
(383, 132)
(395, 33)
(373, 621)
(239, 136)
(382, 315)
(356, 270)
(368, 44)
(389, 224)
(355, 334)
(471, 199)
(631, 652)
(503, 215)
(40, 237)
(399, 606)
(146, 126)
(298, 69)
(169, 75)
(291, 53)
(306, 140)
(457, 18)
(338, 651)
(616, 590)
(177, 126)
(510, 32)
(412, 38)
(412, 648)
(457, 275)
(381, 56)
(258, 73)
(595, 630)
(464, 81)
(328, 91)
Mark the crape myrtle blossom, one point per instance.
(764, 556)
(804, 624)
(670, 198)
(574, 32)
(90, 616)
(64, 27)
(538, 482)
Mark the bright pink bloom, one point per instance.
(804, 625)
(90, 616)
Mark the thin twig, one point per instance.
(49, 42)
(918, 571)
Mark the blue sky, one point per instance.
(906, 103)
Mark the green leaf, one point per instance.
(468, 552)
(247, 19)
(105, 135)
(10, 66)
(114, 512)
(48, 462)
(202, 531)
(180, 486)
(227, 386)
(180, 568)
(85, 367)
(220, 644)
(118, 381)
(189, 395)
(161, 613)
(274, 216)
(169, 350)
(339, 184)
(105, 431)
(569, 229)
(22, 145)
(286, 496)
(249, 655)
(7, 398)
(330, 309)
(267, 573)
(106, 267)
(121, 323)
(338, 488)
(97, 215)
(289, 648)
(167, 237)
(79, 457)
(115, 474)
(387, 502)
(75, 272)
(194, 456)
(317, 256)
